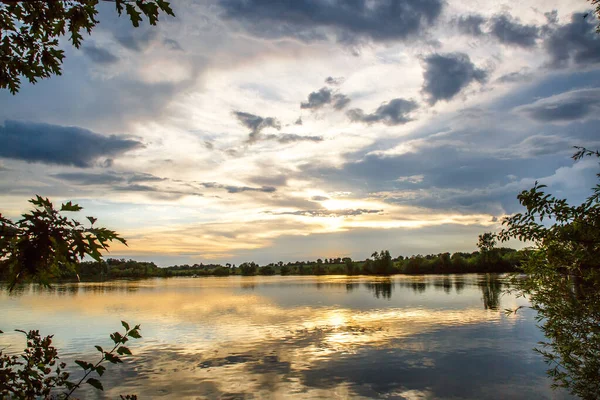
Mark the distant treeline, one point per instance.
(380, 263)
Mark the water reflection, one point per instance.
(382, 288)
(297, 337)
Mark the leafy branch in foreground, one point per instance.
(38, 373)
(562, 281)
(31, 30)
(44, 244)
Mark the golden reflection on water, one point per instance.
(264, 337)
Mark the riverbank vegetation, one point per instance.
(380, 263)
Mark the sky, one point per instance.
(252, 130)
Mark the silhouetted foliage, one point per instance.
(44, 244)
(31, 31)
(37, 372)
(563, 281)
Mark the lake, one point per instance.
(404, 337)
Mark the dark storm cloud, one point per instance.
(328, 213)
(238, 189)
(511, 32)
(53, 144)
(256, 124)
(378, 20)
(445, 75)
(569, 106)
(99, 55)
(576, 42)
(470, 24)
(323, 97)
(395, 112)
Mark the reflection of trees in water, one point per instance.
(351, 286)
(248, 283)
(459, 285)
(444, 283)
(72, 289)
(381, 288)
(491, 289)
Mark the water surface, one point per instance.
(419, 337)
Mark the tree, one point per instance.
(44, 244)
(30, 33)
(350, 267)
(382, 263)
(248, 269)
(563, 281)
(486, 242)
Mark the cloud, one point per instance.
(238, 189)
(445, 75)
(516, 76)
(319, 198)
(564, 107)
(349, 20)
(143, 177)
(172, 44)
(292, 137)
(99, 55)
(411, 179)
(539, 145)
(107, 178)
(298, 121)
(330, 80)
(317, 99)
(84, 178)
(328, 213)
(136, 39)
(511, 32)
(575, 42)
(62, 145)
(256, 124)
(394, 112)
(325, 96)
(470, 24)
(340, 101)
(269, 180)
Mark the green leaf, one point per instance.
(92, 220)
(95, 383)
(100, 349)
(125, 325)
